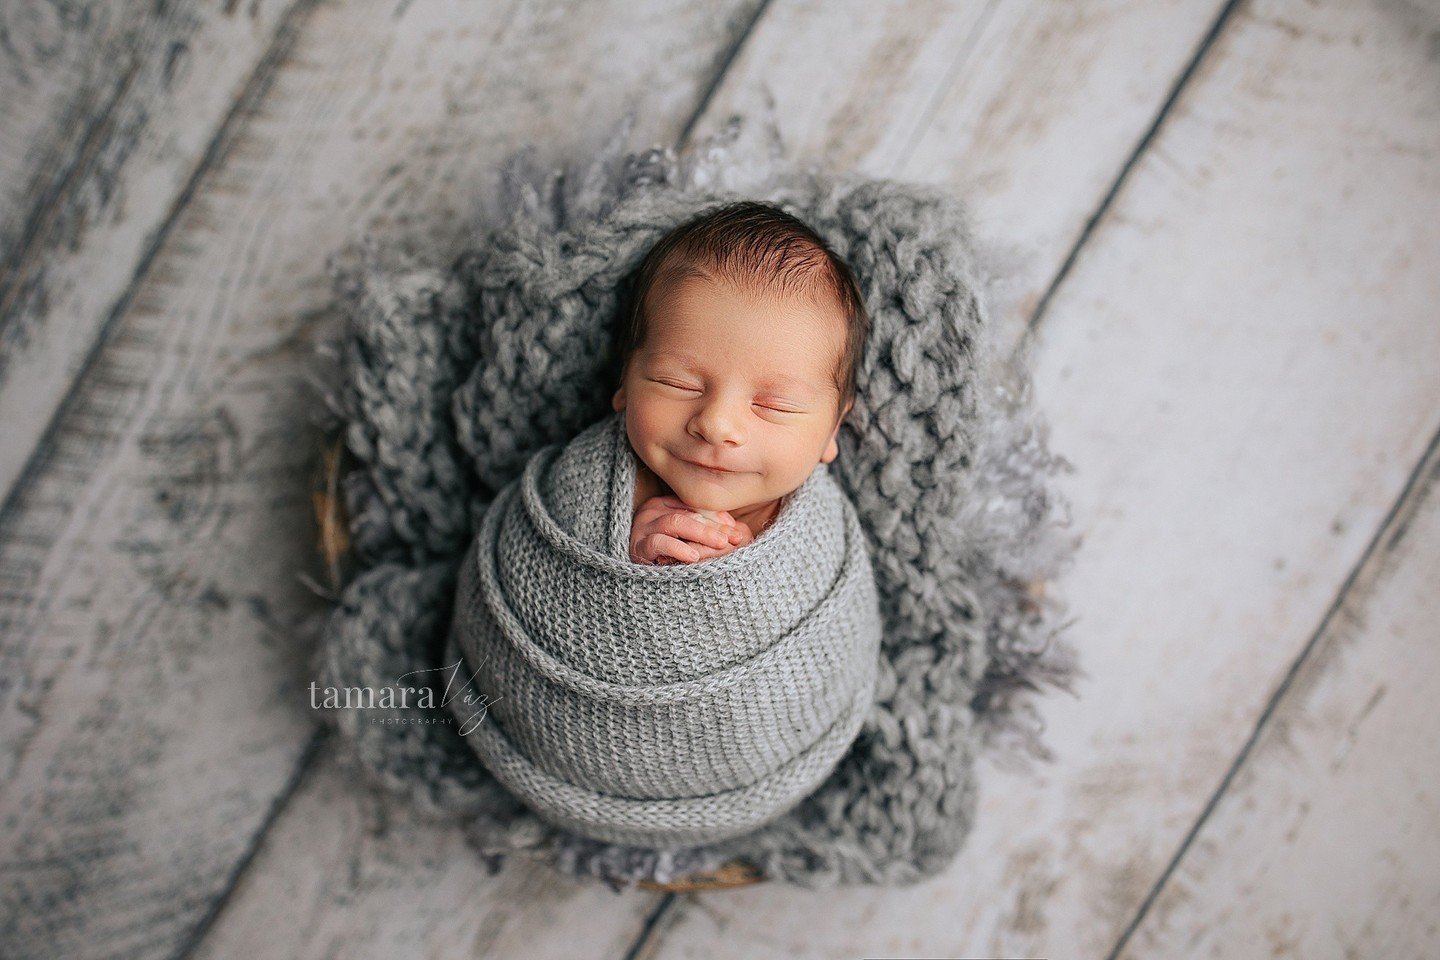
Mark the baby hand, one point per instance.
(666, 530)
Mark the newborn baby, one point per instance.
(738, 365)
(625, 709)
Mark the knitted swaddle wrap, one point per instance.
(661, 704)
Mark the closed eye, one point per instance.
(677, 386)
(769, 407)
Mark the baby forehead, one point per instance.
(698, 278)
(761, 311)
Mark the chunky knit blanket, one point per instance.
(661, 705)
(450, 378)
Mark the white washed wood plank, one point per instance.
(106, 111)
(356, 875)
(849, 89)
(1029, 109)
(1244, 369)
(1328, 842)
(152, 677)
(60, 69)
(71, 71)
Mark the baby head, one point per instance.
(738, 356)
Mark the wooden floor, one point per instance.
(1223, 220)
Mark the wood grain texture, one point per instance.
(107, 112)
(155, 656)
(1243, 365)
(355, 875)
(1027, 109)
(1327, 843)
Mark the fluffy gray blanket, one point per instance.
(451, 379)
(660, 705)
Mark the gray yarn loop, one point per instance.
(660, 705)
(450, 381)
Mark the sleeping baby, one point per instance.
(673, 616)
(739, 359)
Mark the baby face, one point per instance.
(734, 379)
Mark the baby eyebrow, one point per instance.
(770, 381)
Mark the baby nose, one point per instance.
(718, 425)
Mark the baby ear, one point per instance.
(618, 401)
(832, 449)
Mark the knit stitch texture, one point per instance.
(661, 705)
(450, 379)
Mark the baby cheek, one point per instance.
(797, 468)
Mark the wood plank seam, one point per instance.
(648, 941)
(721, 71)
(1391, 529)
(277, 806)
(49, 200)
(937, 98)
(1142, 146)
(249, 97)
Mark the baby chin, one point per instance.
(708, 489)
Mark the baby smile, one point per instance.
(716, 471)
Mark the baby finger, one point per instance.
(717, 535)
(686, 526)
(659, 545)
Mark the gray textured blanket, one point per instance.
(660, 705)
(452, 377)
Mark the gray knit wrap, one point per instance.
(450, 378)
(661, 705)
